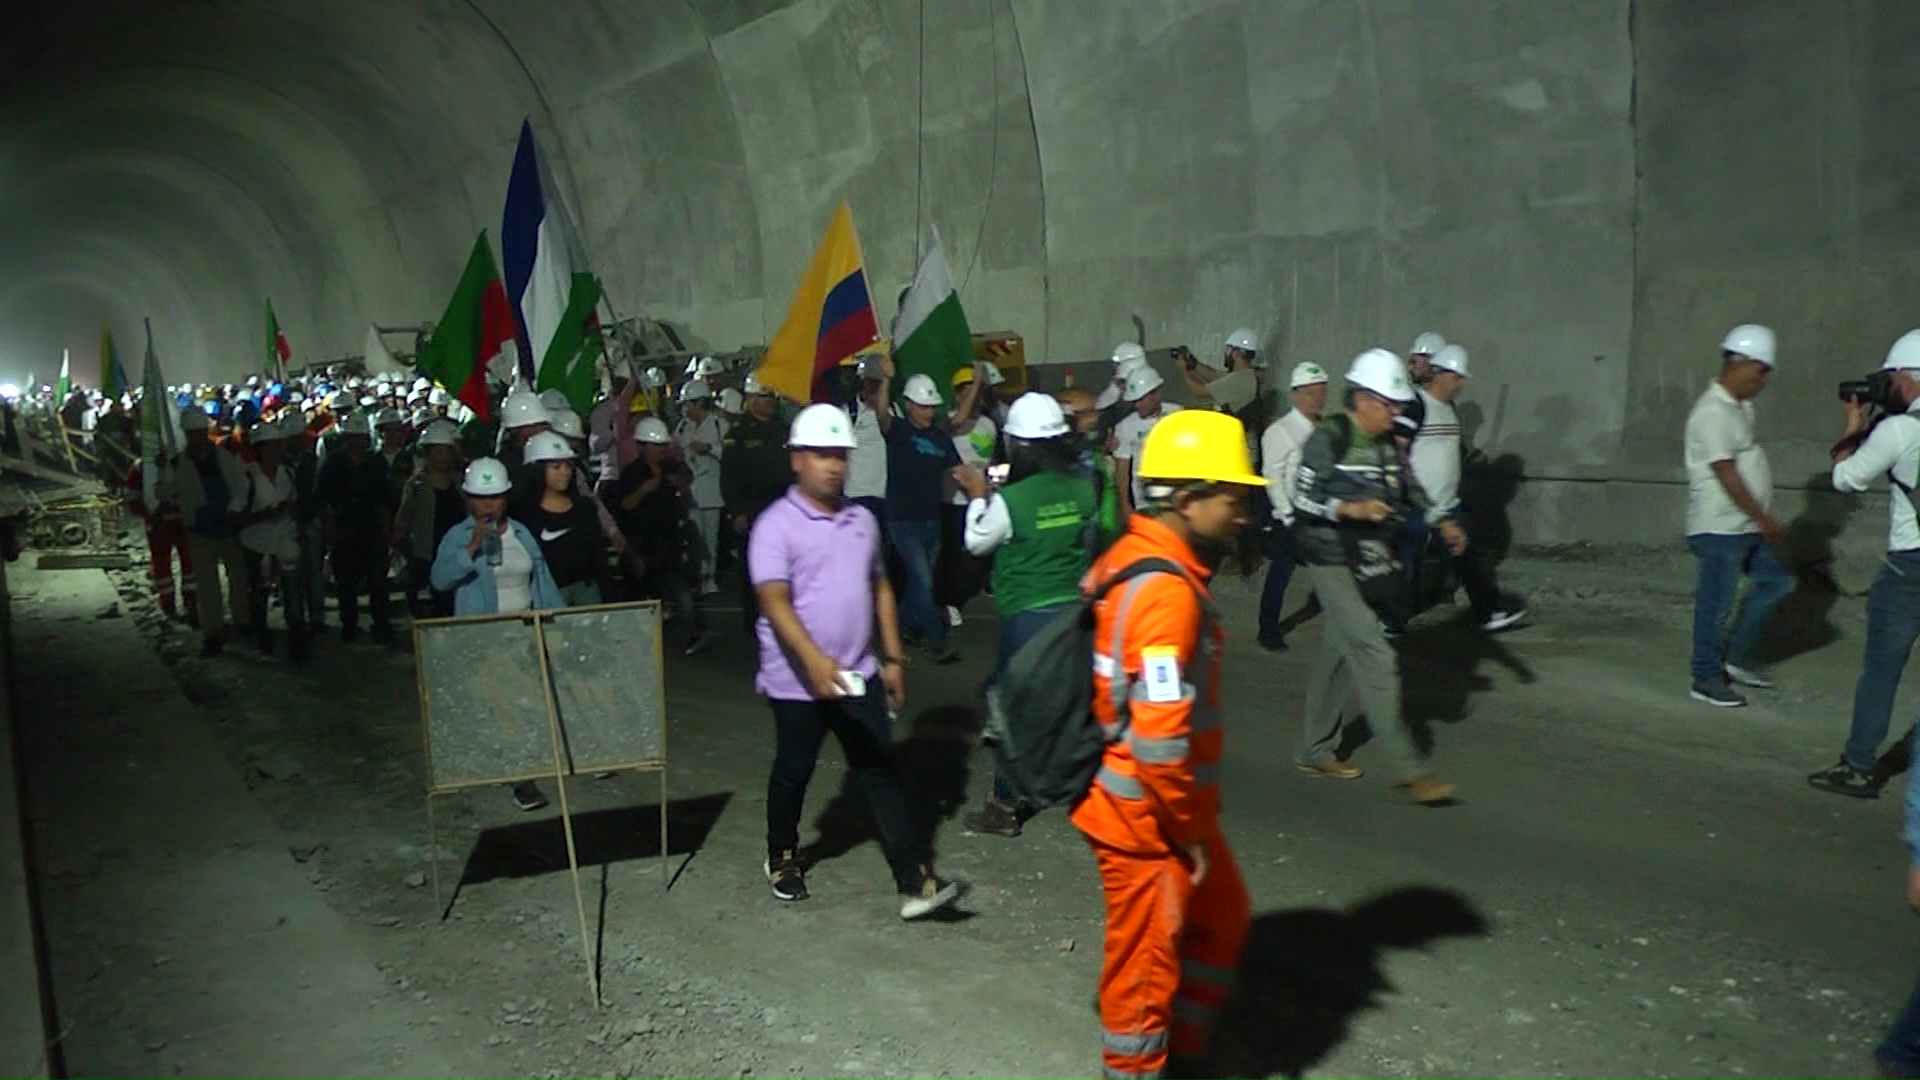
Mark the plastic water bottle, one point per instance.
(492, 544)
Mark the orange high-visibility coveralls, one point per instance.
(1171, 946)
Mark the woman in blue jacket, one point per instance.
(492, 565)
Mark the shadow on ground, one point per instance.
(1306, 973)
(933, 771)
(602, 837)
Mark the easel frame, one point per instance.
(539, 619)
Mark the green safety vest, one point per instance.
(1041, 564)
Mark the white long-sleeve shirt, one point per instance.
(1280, 447)
(1894, 447)
(705, 464)
(989, 524)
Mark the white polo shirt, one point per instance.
(1893, 447)
(1280, 447)
(1721, 429)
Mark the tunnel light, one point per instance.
(9, 392)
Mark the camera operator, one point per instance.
(1235, 385)
(1882, 439)
(1730, 523)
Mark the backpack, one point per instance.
(1047, 743)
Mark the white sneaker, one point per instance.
(1753, 677)
(936, 894)
(709, 588)
(953, 616)
(1503, 618)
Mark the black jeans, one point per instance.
(360, 566)
(866, 738)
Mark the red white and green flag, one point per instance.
(477, 325)
(278, 351)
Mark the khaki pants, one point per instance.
(209, 555)
(1356, 660)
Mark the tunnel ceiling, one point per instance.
(1332, 174)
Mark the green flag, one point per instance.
(932, 337)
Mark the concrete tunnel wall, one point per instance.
(1585, 192)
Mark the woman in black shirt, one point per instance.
(565, 522)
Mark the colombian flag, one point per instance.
(830, 321)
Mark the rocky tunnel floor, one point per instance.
(1631, 884)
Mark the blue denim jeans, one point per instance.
(1893, 625)
(1015, 631)
(1721, 558)
(918, 545)
(1280, 563)
(1899, 1052)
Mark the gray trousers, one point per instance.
(1356, 660)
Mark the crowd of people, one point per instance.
(856, 532)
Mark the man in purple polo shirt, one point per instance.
(814, 560)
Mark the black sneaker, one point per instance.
(696, 644)
(788, 880)
(946, 654)
(993, 819)
(1274, 643)
(527, 796)
(1843, 779)
(935, 893)
(1718, 693)
(212, 646)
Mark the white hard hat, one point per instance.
(547, 446)
(1382, 373)
(920, 390)
(827, 427)
(1035, 416)
(1751, 340)
(731, 401)
(1905, 354)
(994, 378)
(1452, 358)
(440, 433)
(295, 397)
(437, 396)
(1128, 352)
(368, 401)
(1244, 339)
(423, 384)
(1141, 383)
(701, 367)
(386, 417)
(696, 390)
(753, 387)
(653, 379)
(353, 383)
(651, 429)
(567, 423)
(523, 408)
(1426, 344)
(486, 477)
(253, 380)
(356, 424)
(194, 419)
(1307, 373)
(554, 400)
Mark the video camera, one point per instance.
(1875, 389)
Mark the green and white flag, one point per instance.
(64, 385)
(931, 337)
(160, 434)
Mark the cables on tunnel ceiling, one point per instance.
(993, 151)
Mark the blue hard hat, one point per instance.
(212, 407)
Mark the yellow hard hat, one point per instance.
(963, 376)
(1199, 444)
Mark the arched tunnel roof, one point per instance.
(1206, 164)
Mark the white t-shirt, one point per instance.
(279, 536)
(867, 464)
(975, 448)
(1280, 447)
(1435, 453)
(1130, 434)
(513, 578)
(1721, 429)
(704, 466)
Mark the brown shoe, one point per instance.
(1332, 770)
(1426, 791)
